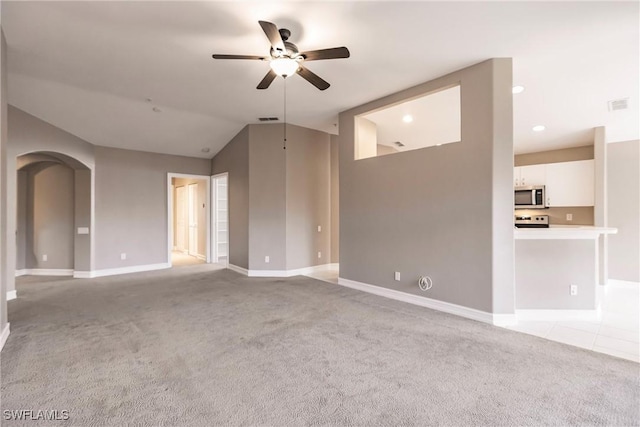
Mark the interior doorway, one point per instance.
(220, 232)
(189, 219)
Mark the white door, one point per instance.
(193, 219)
(181, 220)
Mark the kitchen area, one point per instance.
(557, 245)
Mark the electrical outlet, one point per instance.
(397, 276)
(123, 256)
(44, 257)
(574, 290)
(319, 254)
(319, 229)
(266, 259)
(569, 217)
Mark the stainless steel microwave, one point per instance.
(532, 197)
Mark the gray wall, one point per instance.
(308, 198)
(623, 188)
(131, 204)
(566, 262)
(50, 216)
(22, 221)
(278, 197)
(267, 196)
(234, 159)
(582, 215)
(447, 211)
(7, 273)
(335, 200)
(202, 210)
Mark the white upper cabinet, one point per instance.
(529, 175)
(570, 183)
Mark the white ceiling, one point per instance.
(88, 67)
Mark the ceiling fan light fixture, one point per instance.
(284, 66)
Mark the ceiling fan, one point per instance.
(285, 59)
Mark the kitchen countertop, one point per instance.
(563, 232)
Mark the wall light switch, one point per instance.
(45, 257)
(319, 254)
(266, 259)
(319, 229)
(83, 230)
(569, 217)
(123, 256)
(397, 276)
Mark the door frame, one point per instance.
(207, 220)
(214, 237)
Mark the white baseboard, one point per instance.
(615, 282)
(505, 319)
(289, 273)
(281, 273)
(122, 270)
(469, 313)
(237, 269)
(44, 272)
(558, 315)
(5, 334)
(201, 257)
(82, 274)
(12, 295)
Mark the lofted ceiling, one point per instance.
(99, 69)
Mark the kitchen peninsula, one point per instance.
(556, 271)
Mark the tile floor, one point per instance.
(617, 333)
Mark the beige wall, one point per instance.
(234, 159)
(555, 156)
(445, 212)
(582, 215)
(623, 188)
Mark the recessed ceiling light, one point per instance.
(148, 99)
(156, 110)
(206, 150)
(408, 118)
(517, 89)
(539, 128)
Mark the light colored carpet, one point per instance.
(200, 347)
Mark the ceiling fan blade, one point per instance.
(333, 53)
(312, 78)
(273, 35)
(261, 58)
(266, 81)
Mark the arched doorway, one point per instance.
(54, 215)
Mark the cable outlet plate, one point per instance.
(396, 276)
(573, 289)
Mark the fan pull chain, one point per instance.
(285, 114)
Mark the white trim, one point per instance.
(469, 313)
(505, 320)
(290, 273)
(238, 269)
(123, 270)
(21, 272)
(12, 295)
(5, 334)
(46, 272)
(559, 315)
(201, 257)
(82, 275)
(616, 282)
